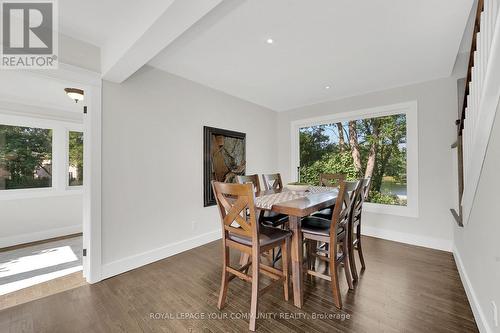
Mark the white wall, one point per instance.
(28, 220)
(477, 245)
(437, 107)
(152, 176)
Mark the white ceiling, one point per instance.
(353, 46)
(129, 32)
(97, 21)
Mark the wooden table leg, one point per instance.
(296, 254)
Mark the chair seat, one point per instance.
(267, 236)
(324, 214)
(273, 219)
(317, 226)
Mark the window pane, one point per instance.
(374, 147)
(75, 171)
(25, 157)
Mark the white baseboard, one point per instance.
(128, 263)
(433, 243)
(39, 235)
(482, 323)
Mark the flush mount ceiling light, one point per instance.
(74, 93)
(327, 87)
(269, 41)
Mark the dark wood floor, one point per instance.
(404, 289)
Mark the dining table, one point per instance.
(296, 204)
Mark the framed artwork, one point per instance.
(224, 157)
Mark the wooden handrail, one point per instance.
(460, 122)
(477, 28)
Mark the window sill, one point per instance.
(406, 211)
(38, 193)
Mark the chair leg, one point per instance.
(285, 263)
(335, 282)
(360, 249)
(308, 253)
(255, 287)
(244, 259)
(225, 279)
(352, 260)
(311, 250)
(277, 257)
(347, 267)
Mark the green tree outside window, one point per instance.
(374, 147)
(75, 172)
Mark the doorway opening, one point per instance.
(46, 184)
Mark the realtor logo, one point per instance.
(29, 34)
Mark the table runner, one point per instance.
(267, 201)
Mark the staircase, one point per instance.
(482, 92)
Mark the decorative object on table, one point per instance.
(224, 158)
(297, 187)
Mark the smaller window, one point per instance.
(25, 157)
(75, 159)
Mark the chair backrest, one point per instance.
(272, 181)
(254, 179)
(360, 197)
(236, 204)
(343, 207)
(367, 182)
(331, 179)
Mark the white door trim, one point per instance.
(91, 83)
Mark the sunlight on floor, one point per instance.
(38, 260)
(18, 285)
(28, 266)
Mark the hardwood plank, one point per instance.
(405, 288)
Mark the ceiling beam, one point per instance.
(124, 57)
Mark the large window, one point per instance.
(371, 147)
(381, 143)
(75, 158)
(40, 156)
(25, 157)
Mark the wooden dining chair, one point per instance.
(253, 179)
(329, 180)
(354, 235)
(333, 232)
(272, 181)
(240, 231)
(267, 218)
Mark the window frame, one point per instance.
(66, 164)
(409, 109)
(60, 130)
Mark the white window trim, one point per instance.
(60, 129)
(74, 188)
(409, 109)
